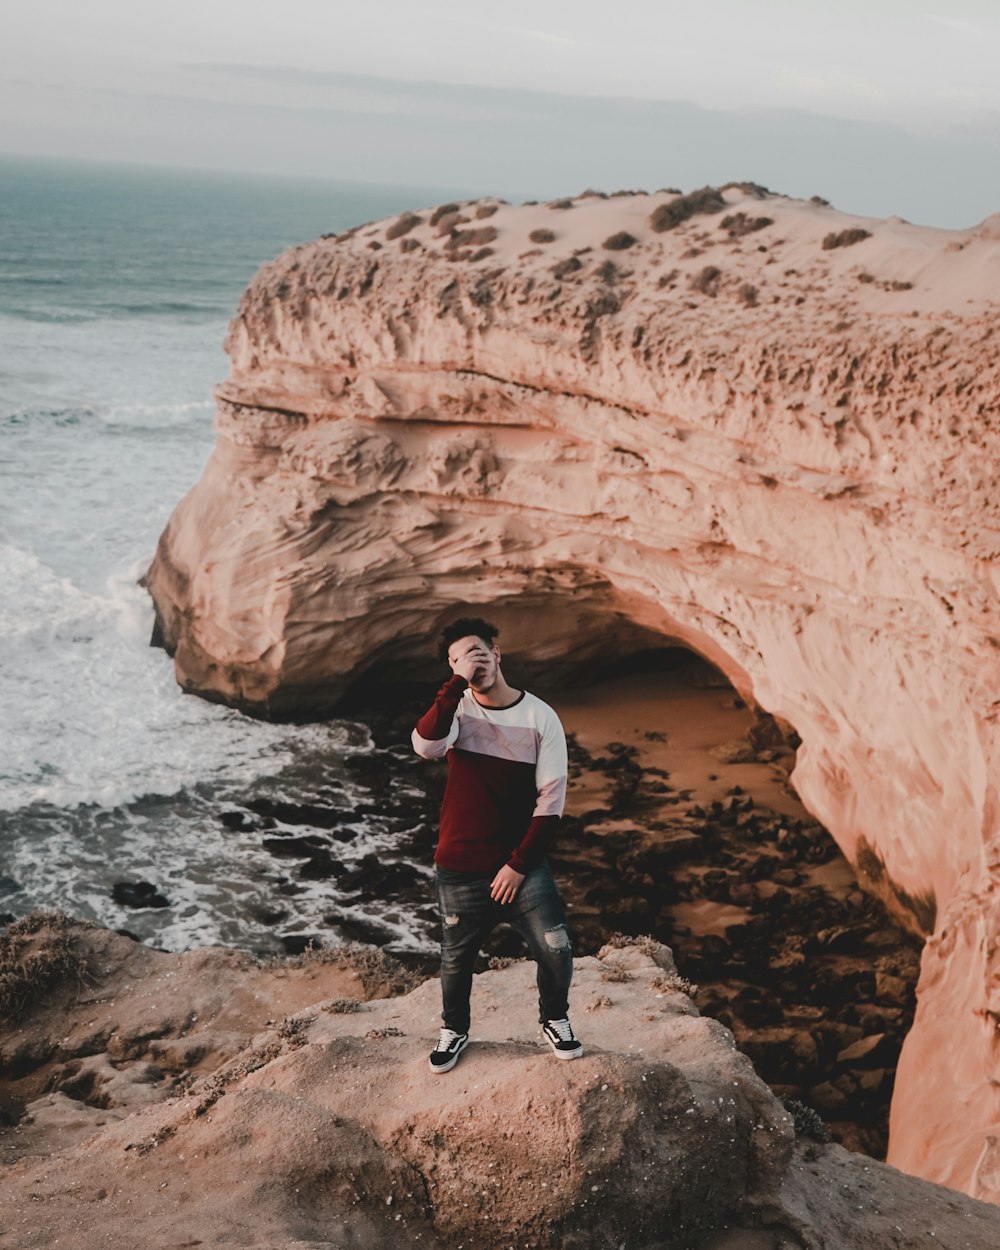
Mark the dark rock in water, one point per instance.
(237, 822)
(321, 866)
(292, 847)
(374, 876)
(268, 915)
(332, 819)
(138, 894)
(360, 929)
(8, 886)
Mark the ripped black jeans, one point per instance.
(469, 915)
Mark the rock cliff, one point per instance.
(754, 426)
(184, 1108)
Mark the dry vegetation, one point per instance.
(738, 224)
(542, 236)
(706, 281)
(844, 238)
(620, 241)
(670, 215)
(403, 225)
(36, 953)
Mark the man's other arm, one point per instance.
(437, 729)
(551, 771)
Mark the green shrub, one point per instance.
(620, 241)
(542, 236)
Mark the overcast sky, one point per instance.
(881, 105)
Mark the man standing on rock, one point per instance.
(506, 787)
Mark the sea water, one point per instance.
(116, 286)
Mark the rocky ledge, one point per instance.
(745, 424)
(157, 1099)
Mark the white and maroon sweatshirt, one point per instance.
(506, 778)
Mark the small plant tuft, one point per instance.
(342, 1006)
(542, 236)
(747, 294)
(674, 983)
(808, 1123)
(739, 224)
(620, 241)
(486, 210)
(845, 238)
(706, 281)
(565, 267)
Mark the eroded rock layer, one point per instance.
(750, 425)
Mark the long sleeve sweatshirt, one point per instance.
(506, 778)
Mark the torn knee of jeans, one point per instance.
(558, 938)
(451, 920)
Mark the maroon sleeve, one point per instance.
(535, 844)
(436, 721)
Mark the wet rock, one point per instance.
(138, 894)
(333, 820)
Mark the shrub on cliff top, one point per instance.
(542, 236)
(739, 224)
(403, 225)
(748, 188)
(620, 241)
(471, 238)
(442, 211)
(670, 215)
(844, 238)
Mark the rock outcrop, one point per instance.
(754, 426)
(325, 1128)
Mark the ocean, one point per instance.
(116, 286)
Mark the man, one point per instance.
(505, 792)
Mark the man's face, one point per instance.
(477, 660)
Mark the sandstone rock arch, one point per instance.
(789, 468)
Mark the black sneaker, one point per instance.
(564, 1042)
(445, 1054)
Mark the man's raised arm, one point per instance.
(437, 729)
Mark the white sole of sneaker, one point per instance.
(566, 1054)
(447, 1067)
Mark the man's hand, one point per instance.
(505, 885)
(468, 664)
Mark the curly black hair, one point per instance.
(461, 628)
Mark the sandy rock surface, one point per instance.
(327, 1130)
(768, 431)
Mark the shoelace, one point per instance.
(446, 1039)
(562, 1027)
